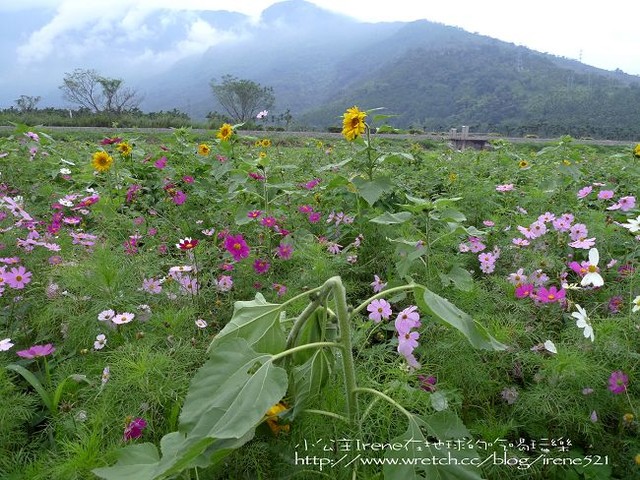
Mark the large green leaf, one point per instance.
(227, 399)
(258, 322)
(460, 278)
(422, 459)
(232, 391)
(310, 378)
(372, 190)
(388, 218)
(312, 331)
(448, 313)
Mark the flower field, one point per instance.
(226, 306)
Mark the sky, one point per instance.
(597, 33)
(48, 35)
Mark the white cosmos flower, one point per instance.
(636, 304)
(549, 346)
(582, 321)
(593, 277)
(633, 226)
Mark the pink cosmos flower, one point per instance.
(488, 223)
(224, 283)
(179, 197)
(280, 289)
(379, 309)
(578, 231)
(546, 217)
(407, 343)
(134, 429)
(161, 163)
(306, 209)
(507, 187)
(269, 222)
(151, 285)
(583, 192)
(36, 351)
(605, 194)
(188, 179)
(618, 382)
(314, 217)
(5, 344)
(284, 251)
(517, 278)
(253, 214)
(123, 318)
(17, 277)
(583, 243)
(520, 242)
(407, 319)
(261, 266)
(550, 295)
(334, 248)
(377, 284)
(237, 247)
(310, 185)
(524, 290)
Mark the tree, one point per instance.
(89, 89)
(241, 99)
(27, 103)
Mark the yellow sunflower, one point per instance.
(523, 164)
(353, 123)
(274, 421)
(204, 149)
(636, 151)
(225, 132)
(263, 154)
(102, 161)
(124, 148)
(265, 143)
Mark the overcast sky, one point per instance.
(602, 34)
(43, 38)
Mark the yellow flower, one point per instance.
(225, 132)
(124, 148)
(266, 143)
(523, 164)
(353, 123)
(566, 162)
(204, 149)
(637, 459)
(263, 154)
(102, 161)
(636, 151)
(628, 417)
(453, 177)
(274, 421)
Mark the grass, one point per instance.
(151, 361)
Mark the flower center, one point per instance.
(592, 268)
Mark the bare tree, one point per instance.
(27, 103)
(89, 89)
(241, 99)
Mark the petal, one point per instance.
(594, 256)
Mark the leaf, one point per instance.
(372, 190)
(312, 331)
(446, 424)
(421, 458)
(460, 278)
(232, 391)
(388, 218)
(35, 383)
(257, 322)
(334, 166)
(448, 313)
(310, 378)
(135, 462)
(439, 401)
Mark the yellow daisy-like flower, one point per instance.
(353, 123)
(523, 164)
(628, 417)
(453, 177)
(225, 132)
(102, 161)
(274, 421)
(263, 154)
(124, 148)
(265, 143)
(566, 162)
(204, 149)
(636, 151)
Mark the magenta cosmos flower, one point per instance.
(134, 429)
(379, 309)
(618, 382)
(237, 247)
(261, 266)
(37, 351)
(187, 243)
(550, 295)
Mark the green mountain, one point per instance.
(432, 76)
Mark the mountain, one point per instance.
(430, 75)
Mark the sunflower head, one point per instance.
(353, 123)
(636, 151)
(265, 143)
(204, 149)
(273, 420)
(225, 132)
(102, 161)
(124, 148)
